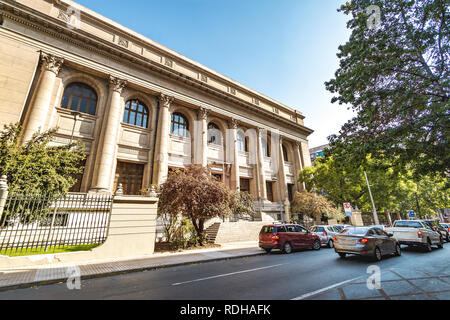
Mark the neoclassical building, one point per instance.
(140, 108)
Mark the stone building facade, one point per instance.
(140, 108)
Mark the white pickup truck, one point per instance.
(415, 233)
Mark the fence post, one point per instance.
(3, 194)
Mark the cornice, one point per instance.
(56, 28)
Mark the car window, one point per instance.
(408, 224)
(355, 231)
(320, 229)
(290, 228)
(281, 229)
(267, 229)
(378, 231)
(314, 229)
(301, 229)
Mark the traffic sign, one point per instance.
(411, 214)
(348, 209)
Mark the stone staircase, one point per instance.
(211, 232)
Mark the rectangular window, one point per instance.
(290, 190)
(269, 187)
(244, 185)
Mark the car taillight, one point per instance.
(325, 233)
(364, 240)
(275, 237)
(334, 239)
(448, 229)
(434, 228)
(419, 234)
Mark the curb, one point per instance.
(115, 273)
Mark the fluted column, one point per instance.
(298, 166)
(283, 184)
(235, 181)
(51, 65)
(262, 177)
(161, 164)
(111, 124)
(203, 143)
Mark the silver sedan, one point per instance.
(366, 241)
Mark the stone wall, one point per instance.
(239, 231)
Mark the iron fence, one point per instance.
(43, 223)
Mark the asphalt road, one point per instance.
(270, 277)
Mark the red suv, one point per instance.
(287, 237)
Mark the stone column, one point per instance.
(298, 166)
(283, 184)
(262, 177)
(111, 123)
(203, 143)
(37, 116)
(232, 143)
(161, 164)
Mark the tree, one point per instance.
(36, 166)
(194, 193)
(394, 188)
(396, 78)
(313, 205)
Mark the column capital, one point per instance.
(165, 100)
(203, 114)
(51, 63)
(233, 124)
(116, 84)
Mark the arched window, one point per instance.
(214, 134)
(179, 125)
(136, 113)
(242, 141)
(80, 97)
(266, 147)
(285, 154)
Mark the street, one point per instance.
(301, 275)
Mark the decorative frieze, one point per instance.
(232, 90)
(256, 101)
(122, 42)
(168, 62)
(51, 62)
(204, 78)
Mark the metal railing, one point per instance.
(37, 223)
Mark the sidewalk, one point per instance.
(49, 274)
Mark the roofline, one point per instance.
(175, 54)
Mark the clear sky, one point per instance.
(285, 49)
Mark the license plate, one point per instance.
(348, 241)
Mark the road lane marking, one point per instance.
(226, 275)
(307, 295)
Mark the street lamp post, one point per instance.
(375, 215)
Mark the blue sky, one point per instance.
(285, 49)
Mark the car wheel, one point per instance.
(398, 250)
(441, 243)
(316, 245)
(377, 254)
(330, 244)
(342, 255)
(268, 250)
(428, 246)
(287, 248)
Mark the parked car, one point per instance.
(447, 226)
(415, 233)
(366, 241)
(287, 237)
(340, 227)
(326, 234)
(433, 224)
